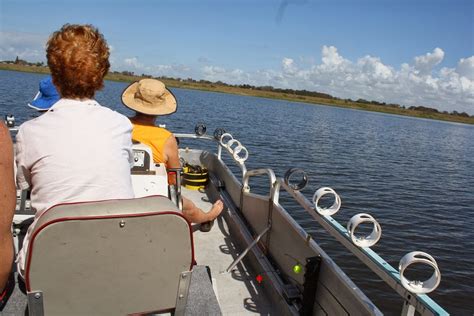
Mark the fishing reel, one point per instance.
(292, 173)
(200, 129)
(218, 132)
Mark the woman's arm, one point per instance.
(7, 204)
(172, 157)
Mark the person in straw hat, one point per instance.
(149, 98)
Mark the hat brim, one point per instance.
(43, 103)
(168, 106)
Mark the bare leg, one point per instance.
(195, 215)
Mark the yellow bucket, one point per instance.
(195, 177)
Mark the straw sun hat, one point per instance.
(149, 96)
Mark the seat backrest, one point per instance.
(112, 257)
(148, 178)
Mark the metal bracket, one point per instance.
(35, 303)
(242, 255)
(23, 196)
(311, 276)
(183, 290)
(291, 293)
(175, 194)
(408, 309)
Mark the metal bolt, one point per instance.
(122, 223)
(37, 295)
(181, 296)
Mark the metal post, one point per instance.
(35, 303)
(242, 255)
(183, 290)
(177, 172)
(23, 195)
(408, 309)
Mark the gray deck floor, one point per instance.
(236, 291)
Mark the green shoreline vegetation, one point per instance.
(266, 92)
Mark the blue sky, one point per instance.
(414, 52)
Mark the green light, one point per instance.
(297, 268)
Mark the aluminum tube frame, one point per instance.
(274, 186)
(273, 198)
(242, 255)
(242, 166)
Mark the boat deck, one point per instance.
(236, 291)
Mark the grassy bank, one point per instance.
(215, 87)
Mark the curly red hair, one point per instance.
(78, 57)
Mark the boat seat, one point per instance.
(114, 257)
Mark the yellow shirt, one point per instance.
(152, 136)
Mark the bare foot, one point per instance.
(216, 208)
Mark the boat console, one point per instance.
(148, 178)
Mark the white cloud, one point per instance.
(288, 66)
(424, 64)
(175, 69)
(26, 46)
(416, 84)
(465, 67)
(134, 63)
(375, 69)
(331, 58)
(233, 76)
(212, 71)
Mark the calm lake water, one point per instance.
(415, 176)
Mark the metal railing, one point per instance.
(414, 296)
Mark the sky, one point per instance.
(409, 52)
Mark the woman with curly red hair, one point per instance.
(78, 150)
(78, 57)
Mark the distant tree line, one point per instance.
(22, 62)
(422, 109)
